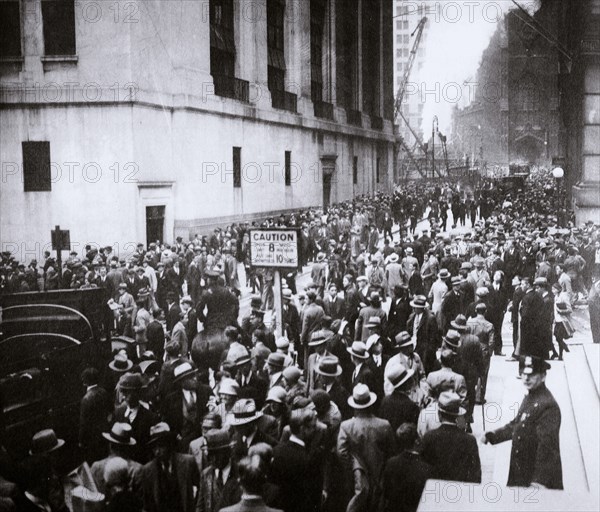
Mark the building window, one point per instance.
(405, 37)
(237, 167)
(36, 166)
(10, 29)
(377, 162)
(317, 23)
(58, 17)
(288, 168)
(275, 44)
(405, 24)
(405, 52)
(222, 40)
(355, 170)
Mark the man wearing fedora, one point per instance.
(423, 327)
(446, 378)
(532, 329)
(275, 365)
(398, 408)
(319, 273)
(452, 304)
(363, 372)
(184, 408)
(245, 427)
(169, 479)
(318, 346)
(365, 442)
(452, 453)
(252, 385)
(399, 311)
(219, 486)
(333, 304)
(133, 412)
(120, 444)
(535, 453)
(328, 372)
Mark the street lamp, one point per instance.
(558, 173)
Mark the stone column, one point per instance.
(380, 104)
(329, 54)
(586, 193)
(359, 45)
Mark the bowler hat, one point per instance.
(160, 433)
(277, 394)
(361, 397)
(292, 374)
(460, 323)
(45, 441)
(276, 359)
(120, 433)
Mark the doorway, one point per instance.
(155, 223)
(326, 190)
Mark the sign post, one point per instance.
(277, 249)
(61, 239)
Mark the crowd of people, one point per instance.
(369, 390)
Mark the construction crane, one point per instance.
(400, 97)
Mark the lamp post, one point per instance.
(558, 173)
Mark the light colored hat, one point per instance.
(450, 402)
(399, 374)
(282, 343)
(277, 394)
(244, 411)
(372, 340)
(361, 397)
(183, 371)
(358, 349)
(120, 433)
(229, 387)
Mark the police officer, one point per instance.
(535, 455)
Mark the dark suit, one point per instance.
(365, 375)
(397, 408)
(404, 479)
(296, 477)
(240, 449)
(140, 429)
(256, 388)
(497, 300)
(532, 337)
(452, 306)
(162, 491)
(452, 453)
(334, 308)
(183, 419)
(514, 315)
(155, 335)
(173, 314)
(397, 317)
(535, 454)
(93, 415)
(214, 495)
(428, 338)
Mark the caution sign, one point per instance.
(274, 248)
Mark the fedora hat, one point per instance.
(120, 433)
(482, 291)
(161, 432)
(45, 441)
(460, 323)
(361, 397)
(449, 402)
(120, 363)
(217, 439)
(131, 382)
(244, 411)
(419, 301)
(457, 280)
(444, 273)
(374, 321)
(372, 340)
(318, 338)
(183, 371)
(403, 339)
(277, 394)
(466, 265)
(321, 256)
(358, 349)
(452, 339)
(292, 374)
(255, 302)
(398, 375)
(361, 278)
(276, 359)
(540, 281)
(329, 366)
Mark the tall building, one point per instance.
(131, 121)
(407, 15)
